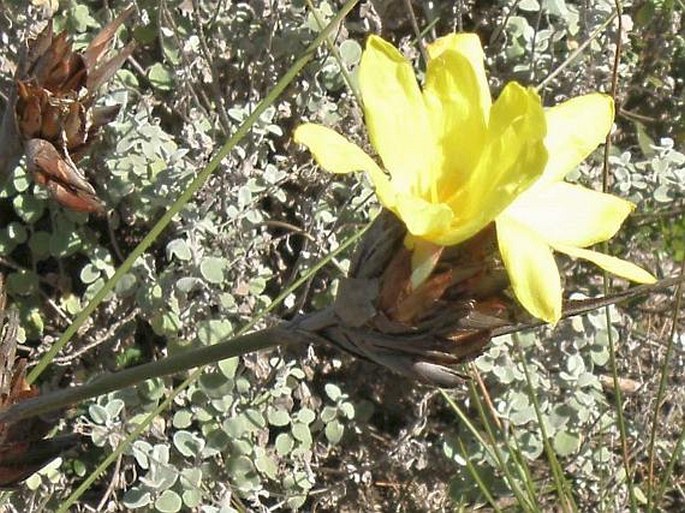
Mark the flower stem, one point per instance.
(278, 335)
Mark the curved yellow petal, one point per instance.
(336, 154)
(563, 213)
(532, 271)
(467, 45)
(424, 258)
(513, 158)
(396, 116)
(453, 99)
(611, 264)
(423, 219)
(574, 129)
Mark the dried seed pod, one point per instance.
(102, 42)
(55, 97)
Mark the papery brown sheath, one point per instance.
(425, 333)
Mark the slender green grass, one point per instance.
(526, 501)
(476, 477)
(663, 381)
(119, 450)
(490, 447)
(562, 485)
(618, 396)
(330, 43)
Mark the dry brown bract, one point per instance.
(55, 113)
(423, 333)
(22, 448)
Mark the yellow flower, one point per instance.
(455, 160)
(555, 215)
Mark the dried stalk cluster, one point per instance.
(55, 111)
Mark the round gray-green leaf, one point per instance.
(240, 466)
(22, 283)
(89, 273)
(192, 498)
(126, 285)
(333, 391)
(334, 432)
(212, 269)
(214, 330)
(350, 51)
(306, 416)
(229, 366)
(566, 443)
(161, 77)
(188, 444)
(21, 181)
(178, 248)
(40, 244)
(29, 208)
(302, 434)
(136, 498)
(266, 465)
(168, 502)
(284, 444)
(278, 417)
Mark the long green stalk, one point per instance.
(620, 417)
(525, 502)
(128, 377)
(562, 486)
(663, 380)
(119, 450)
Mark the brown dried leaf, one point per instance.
(101, 43)
(63, 180)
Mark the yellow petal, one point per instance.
(574, 129)
(336, 154)
(533, 273)
(562, 213)
(396, 116)
(424, 258)
(453, 99)
(513, 158)
(611, 264)
(423, 219)
(467, 45)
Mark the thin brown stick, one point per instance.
(486, 395)
(588, 305)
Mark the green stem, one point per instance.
(258, 340)
(573, 55)
(618, 396)
(336, 53)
